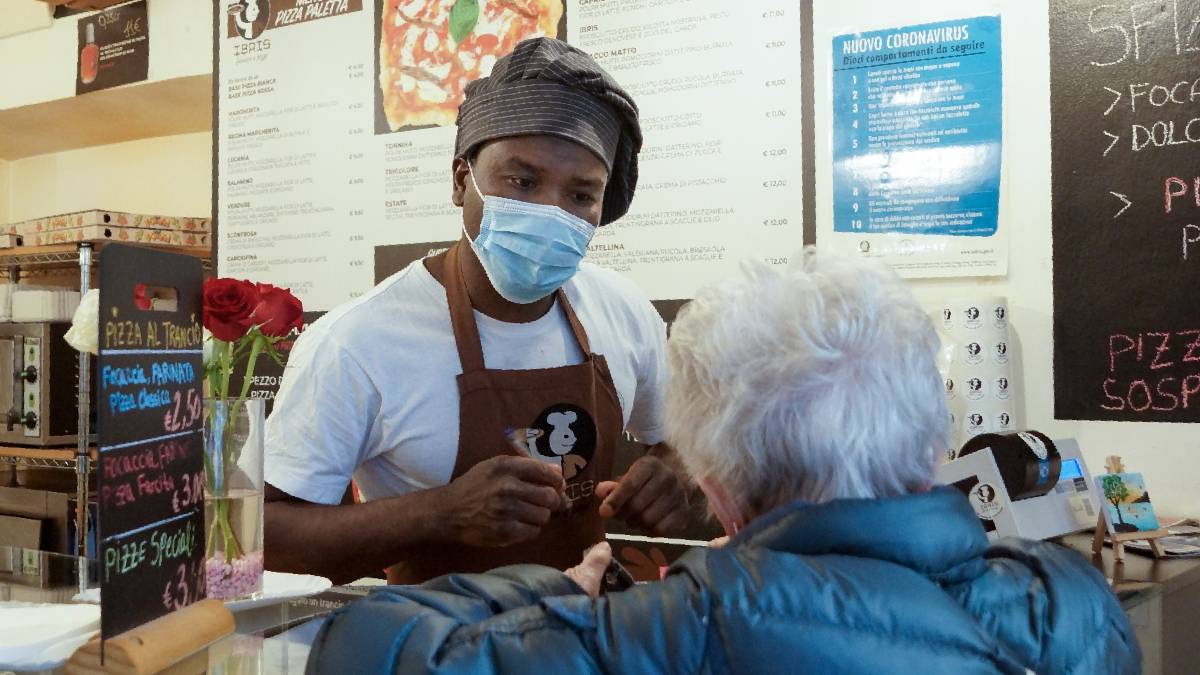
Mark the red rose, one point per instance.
(228, 304)
(278, 312)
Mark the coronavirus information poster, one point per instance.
(917, 136)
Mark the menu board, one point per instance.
(149, 411)
(1125, 150)
(334, 134)
(113, 48)
(917, 127)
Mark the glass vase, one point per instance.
(233, 498)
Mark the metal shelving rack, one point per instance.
(80, 459)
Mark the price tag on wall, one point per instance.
(150, 414)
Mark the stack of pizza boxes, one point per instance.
(99, 226)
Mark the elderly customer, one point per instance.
(805, 402)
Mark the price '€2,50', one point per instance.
(185, 411)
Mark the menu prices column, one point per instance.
(917, 121)
(718, 87)
(150, 417)
(1125, 147)
(292, 182)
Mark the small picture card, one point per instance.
(1127, 506)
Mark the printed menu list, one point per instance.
(150, 417)
(335, 136)
(916, 144)
(1125, 120)
(719, 90)
(293, 117)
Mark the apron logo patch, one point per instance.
(563, 435)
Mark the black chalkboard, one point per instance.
(149, 411)
(1125, 150)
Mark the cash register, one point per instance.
(1024, 484)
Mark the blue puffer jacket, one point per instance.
(854, 586)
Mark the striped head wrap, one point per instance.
(547, 87)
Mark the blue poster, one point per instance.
(916, 129)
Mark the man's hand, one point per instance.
(650, 496)
(503, 500)
(590, 573)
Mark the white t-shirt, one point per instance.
(369, 391)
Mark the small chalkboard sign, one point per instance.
(149, 405)
(1125, 150)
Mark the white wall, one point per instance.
(1168, 454)
(4, 192)
(170, 175)
(39, 65)
(24, 16)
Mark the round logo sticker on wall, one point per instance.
(1001, 388)
(972, 317)
(974, 423)
(1003, 421)
(1000, 353)
(974, 353)
(947, 318)
(1000, 316)
(950, 393)
(974, 388)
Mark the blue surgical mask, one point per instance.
(528, 250)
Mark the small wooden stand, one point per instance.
(158, 645)
(1114, 465)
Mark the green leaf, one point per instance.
(463, 17)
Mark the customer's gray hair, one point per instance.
(813, 381)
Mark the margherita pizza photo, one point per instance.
(430, 49)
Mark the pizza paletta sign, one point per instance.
(251, 18)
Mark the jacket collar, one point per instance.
(934, 533)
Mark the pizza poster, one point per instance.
(917, 130)
(334, 132)
(113, 48)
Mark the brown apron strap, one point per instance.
(462, 316)
(576, 326)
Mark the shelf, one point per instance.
(46, 458)
(67, 255)
(145, 110)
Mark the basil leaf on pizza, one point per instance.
(463, 17)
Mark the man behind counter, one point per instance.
(476, 396)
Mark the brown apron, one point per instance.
(569, 416)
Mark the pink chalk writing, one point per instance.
(1177, 187)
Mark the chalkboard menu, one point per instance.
(150, 415)
(1125, 148)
